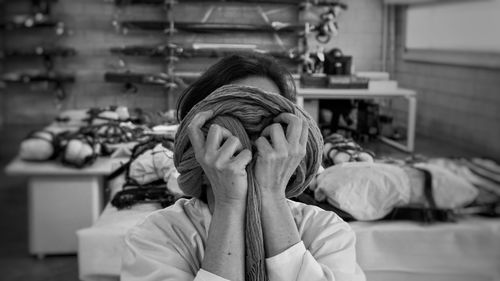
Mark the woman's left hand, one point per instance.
(278, 155)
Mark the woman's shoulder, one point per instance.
(321, 231)
(184, 216)
(310, 218)
(306, 211)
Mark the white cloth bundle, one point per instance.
(449, 190)
(152, 165)
(367, 191)
(38, 147)
(120, 113)
(78, 152)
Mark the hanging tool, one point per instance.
(56, 79)
(38, 20)
(200, 50)
(211, 27)
(284, 2)
(130, 79)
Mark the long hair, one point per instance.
(232, 68)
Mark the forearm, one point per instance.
(279, 228)
(225, 250)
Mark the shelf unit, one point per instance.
(175, 50)
(46, 77)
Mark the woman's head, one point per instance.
(239, 69)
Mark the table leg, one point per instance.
(312, 107)
(410, 129)
(58, 207)
(412, 120)
(300, 101)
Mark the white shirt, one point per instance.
(169, 244)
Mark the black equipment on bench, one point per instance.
(133, 192)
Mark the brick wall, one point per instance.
(457, 105)
(91, 33)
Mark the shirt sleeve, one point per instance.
(147, 259)
(330, 254)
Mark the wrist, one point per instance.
(272, 202)
(273, 194)
(230, 205)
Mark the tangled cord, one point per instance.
(245, 112)
(112, 132)
(134, 192)
(337, 145)
(72, 157)
(96, 138)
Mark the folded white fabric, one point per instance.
(152, 165)
(367, 191)
(449, 190)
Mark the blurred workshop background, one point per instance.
(398, 80)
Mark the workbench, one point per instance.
(61, 200)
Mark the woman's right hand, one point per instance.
(222, 159)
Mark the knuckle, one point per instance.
(233, 169)
(276, 125)
(205, 159)
(234, 139)
(300, 121)
(284, 154)
(225, 131)
(300, 153)
(270, 156)
(280, 154)
(219, 165)
(297, 151)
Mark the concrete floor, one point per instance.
(17, 264)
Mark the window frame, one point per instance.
(444, 56)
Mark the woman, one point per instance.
(204, 238)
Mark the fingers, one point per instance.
(263, 146)
(216, 134)
(294, 126)
(243, 158)
(304, 135)
(194, 129)
(230, 147)
(277, 136)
